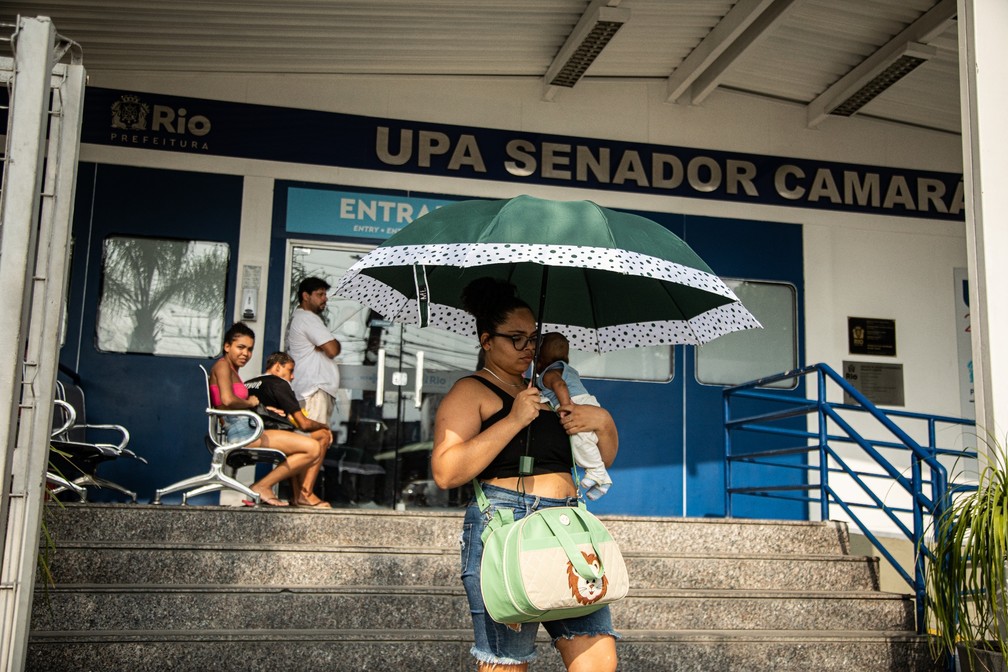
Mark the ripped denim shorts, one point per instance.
(496, 642)
(237, 428)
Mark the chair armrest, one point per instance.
(129, 453)
(119, 429)
(69, 415)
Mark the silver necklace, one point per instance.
(518, 385)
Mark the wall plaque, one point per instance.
(870, 336)
(881, 383)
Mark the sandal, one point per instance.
(272, 501)
(321, 504)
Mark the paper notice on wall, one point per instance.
(964, 343)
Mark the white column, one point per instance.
(253, 252)
(37, 210)
(19, 216)
(983, 85)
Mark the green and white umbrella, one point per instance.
(605, 279)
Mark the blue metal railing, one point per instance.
(927, 484)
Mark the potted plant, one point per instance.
(966, 577)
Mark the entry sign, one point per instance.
(869, 336)
(881, 383)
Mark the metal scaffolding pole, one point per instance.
(36, 210)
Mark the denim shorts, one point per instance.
(496, 642)
(236, 428)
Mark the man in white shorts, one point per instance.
(314, 349)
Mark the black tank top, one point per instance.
(550, 444)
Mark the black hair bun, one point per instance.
(486, 297)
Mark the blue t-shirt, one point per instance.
(569, 375)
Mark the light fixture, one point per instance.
(915, 55)
(592, 33)
(886, 66)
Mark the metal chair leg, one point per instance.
(216, 478)
(61, 484)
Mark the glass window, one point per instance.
(747, 355)
(653, 363)
(164, 297)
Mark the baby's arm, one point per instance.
(553, 380)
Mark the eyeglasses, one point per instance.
(519, 341)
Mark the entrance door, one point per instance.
(392, 377)
(765, 261)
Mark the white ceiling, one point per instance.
(791, 50)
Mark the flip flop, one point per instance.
(268, 501)
(320, 505)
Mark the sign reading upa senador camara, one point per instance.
(199, 126)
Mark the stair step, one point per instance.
(753, 572)
(385, 528)
(779, 651)
(448, 651)
(281, 565)
(742, 610)
(381, 607)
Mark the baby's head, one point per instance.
(554, 348)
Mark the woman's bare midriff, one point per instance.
(554, 486)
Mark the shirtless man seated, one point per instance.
(275, 393)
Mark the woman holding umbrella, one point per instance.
(481, 431)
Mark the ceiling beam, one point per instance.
(705, 82)
(721, 36)
(931, 24)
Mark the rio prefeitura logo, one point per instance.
(138, 123)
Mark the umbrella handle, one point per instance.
(539, 328)
(526, 461)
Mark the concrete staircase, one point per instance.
(214, 588)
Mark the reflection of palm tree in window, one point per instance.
(166, 288)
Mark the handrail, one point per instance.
(921, 459)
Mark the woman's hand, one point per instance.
(577, 418)
(526, 406)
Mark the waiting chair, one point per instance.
(356, 457)
(223, 455)
(76, 451)
(56, 483)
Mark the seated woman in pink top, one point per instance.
(228, 391)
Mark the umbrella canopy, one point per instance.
(606, 279)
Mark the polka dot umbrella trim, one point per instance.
(615, 280)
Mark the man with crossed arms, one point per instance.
(314, 350)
